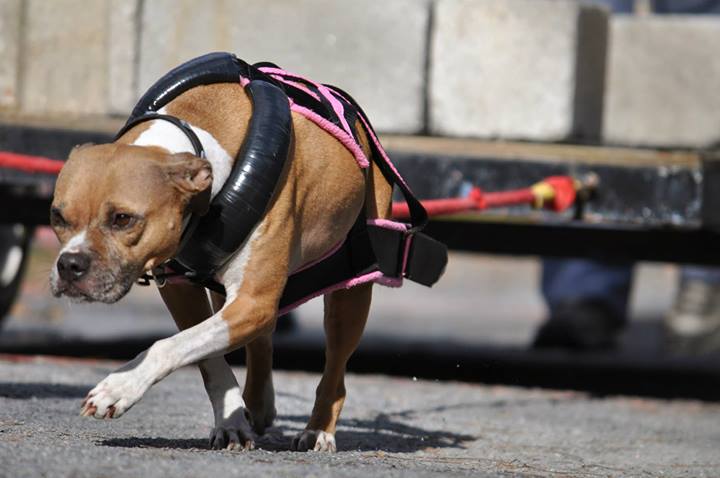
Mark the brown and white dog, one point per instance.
(119, 209)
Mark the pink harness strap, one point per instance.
(344, 133)
(278, 73)
(345, 139)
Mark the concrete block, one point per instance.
(523, 69)
(374, 49)
(663, 81)
(10, 13)
(122, 53)
(65, 58)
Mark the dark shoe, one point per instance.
(692, 327)
(580, 325)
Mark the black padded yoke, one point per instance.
(213, 238)
(218, 67)
(179, 123)
(210, 240)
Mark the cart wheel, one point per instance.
(14, 244)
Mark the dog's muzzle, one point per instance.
(73, 266)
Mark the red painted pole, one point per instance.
(30, 164)
(556, 192)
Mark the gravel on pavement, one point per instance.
(390, 427)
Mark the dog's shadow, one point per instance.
(385, 432)
(30, 390)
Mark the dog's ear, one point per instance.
(193, 176)
(79, 147)
(189, 173)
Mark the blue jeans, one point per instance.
(666, 6)
(571, 280)
(700, 273)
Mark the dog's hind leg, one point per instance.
(259, 393)
(346, 312)
(188, 305)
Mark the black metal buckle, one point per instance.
(144, 280)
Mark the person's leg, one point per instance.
(693, 323)
(702, 273)
(587, 302)
(686, 6)
(573, 280)
(619, 6)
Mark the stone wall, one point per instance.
(10, 14)
(664, 82)
(509, 69)
(517, 69)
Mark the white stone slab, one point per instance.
(123, 52)
(524, 69)
(664, 81)
(65, 60)
(373, 49)
(9, 51)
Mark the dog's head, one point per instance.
(118, 211)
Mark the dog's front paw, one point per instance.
(315, 440)
(112, 397)
(233, 432)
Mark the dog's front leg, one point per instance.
(124, 387)
(213, 337)
(120, 390)
(250, 312)
(188, 304)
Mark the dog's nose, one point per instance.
(73, 265)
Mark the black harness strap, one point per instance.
(181, 124)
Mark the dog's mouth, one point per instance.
(73, 291)
(105, 287)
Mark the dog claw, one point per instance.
(88, 411)
(314, 440)
(229, 439)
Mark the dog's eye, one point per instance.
(56, 219)
(121, 220)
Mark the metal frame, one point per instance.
(649, 205)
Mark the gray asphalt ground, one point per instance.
(396, 426)
(390, 427)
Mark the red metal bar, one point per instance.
(509, 198)
(477, 200)
(556, 192)
(30, 164)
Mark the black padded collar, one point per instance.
(181, 124)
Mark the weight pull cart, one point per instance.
(492, 197)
